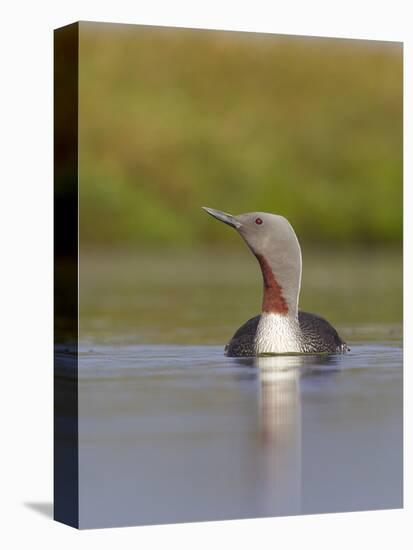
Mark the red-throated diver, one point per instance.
(281, 327)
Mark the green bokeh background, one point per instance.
(173, 119)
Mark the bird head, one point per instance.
(273, 241)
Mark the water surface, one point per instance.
(171, 430)
(173, 433)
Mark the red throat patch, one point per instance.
(273, 300)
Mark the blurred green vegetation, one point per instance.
(173, 119)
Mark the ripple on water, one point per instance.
(106, 361)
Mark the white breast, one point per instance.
(277, 333)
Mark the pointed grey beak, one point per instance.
(223, 217)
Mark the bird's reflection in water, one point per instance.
(280, 425)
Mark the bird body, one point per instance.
(309, 334)
(281, 328)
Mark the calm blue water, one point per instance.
(182, 433)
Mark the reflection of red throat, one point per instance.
(273, 300)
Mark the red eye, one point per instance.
(258, 221)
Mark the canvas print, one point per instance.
(228, 275)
